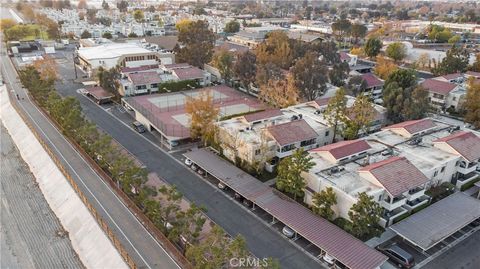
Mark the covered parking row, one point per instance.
(330, 239)
(437, 222)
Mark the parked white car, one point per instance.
(288, 232)
(188, 162)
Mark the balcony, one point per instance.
(391, 205)
(389, 216)
(464, 179)
(412, 204)
(415, 193)
(464, 168)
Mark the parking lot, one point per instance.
(423, 258)
(268, 219)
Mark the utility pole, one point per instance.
(75, 66)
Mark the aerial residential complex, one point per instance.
(395, 166)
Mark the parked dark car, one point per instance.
(398, 256)
(138, 127)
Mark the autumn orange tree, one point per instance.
(472, 104)
(279, 93)
(47, 67)
(384, 67)
(275, 49)
(203, 115)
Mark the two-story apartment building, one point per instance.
(448, 91)
(266, 137)
(394, 166)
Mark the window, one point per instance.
(443, 169)
(307, 142)
(435, 174)
(257, 152)
(327, 133)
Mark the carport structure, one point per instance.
(435, 223)
(329, 238)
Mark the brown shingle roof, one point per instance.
(371, 80)
(345, 148)
(452, 76)
(465, 143)
(291, 132)
(263, 115)
(144, 78)
(437, 86)
(413, 126)
(396, 174)
(188, 73)
(164, 42)
(322, 101)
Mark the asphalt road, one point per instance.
(465, 255)
(261, 239)
(144, 249)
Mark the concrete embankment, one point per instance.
(89, 241)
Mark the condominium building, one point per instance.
(394, 166)
(264, 138)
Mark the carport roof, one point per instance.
(339, 244)
(235, 178)
(433, 224)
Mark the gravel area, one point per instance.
(31, 236)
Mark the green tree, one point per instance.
(417, 105)
(323, 202)
(223, 61)
(454, 39)
(338, 74)
(341, 28)
(397, 51)
(232, 27)
(327, 50)
(138, 15)
(197, 44)
(360, 117)
(336, 111)
(108, 79)
(245, 69)
(189, 224)
(122, 5)
(364, 216)
(310, 84)
(132, 35)
(358, 31)
(107, 35)
(105, 5)
(472, 104)
(456, 60)
(356, 85)
(290, 170)
(85, 34)
(372, 47)
(405, 78)
(171, 199)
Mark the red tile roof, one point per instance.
(139, 68)
(452, 76)
(343, 149)
(144, 78)
(437, 86)
(344, 56)
(322, 101)
(473, 74)
(99, 93)
(413, 126)
(396, 174)
(176, 66)
(371, 80)
(188, 73)
(465, 143)
(291, 132)
(263, 115)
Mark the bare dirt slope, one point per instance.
(30, 234)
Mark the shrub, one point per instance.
(470, 184)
